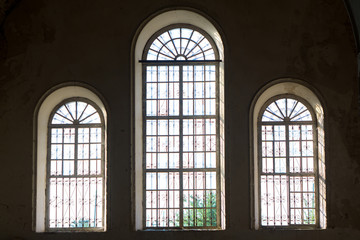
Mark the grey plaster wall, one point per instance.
(46, 43)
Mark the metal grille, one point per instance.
(75, 183)
(288, 160)
(181, 125)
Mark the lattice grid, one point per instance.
(181, 146)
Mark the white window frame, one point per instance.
(301, 89)
(146, 32)
(42, 114)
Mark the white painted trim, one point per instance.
(42, 118)
(155, 24)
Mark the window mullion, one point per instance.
(76, 151)
(301, 178)
(193, 217)
(218, 146)
(287, 142)
(181, 135)
(168, 161)
(144, 120)
(156, 147)
(62, 182)
(316, 172)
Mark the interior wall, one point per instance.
(47, 43)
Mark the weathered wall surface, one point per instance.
(50, 42)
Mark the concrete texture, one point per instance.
(45, 43)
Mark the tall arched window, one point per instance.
(289, 164)
(71, 161)
(182, 154)
(75, 166)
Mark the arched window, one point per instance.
(182, 153)
(71, 150)
(290, 168)
(75, 166)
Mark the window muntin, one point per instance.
(75, 168)
(181, 131)
(288, 179)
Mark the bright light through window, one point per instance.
(75, 183)
(288, 163)
(181, 135)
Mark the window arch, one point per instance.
(70, 161)
(289, 158)
(179, 124)
(181, 43)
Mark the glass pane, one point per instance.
(188, 160)
(95, 151)
(69, 151)
(279, 132)
(162, 160)
(56, 151)
(267, 165)
(199, 160)
(94, 118)
(56, 168)
(211, 160)
(151, 181)
(83, 135)
(95, 167)
(56, 135)
(151, 90)
(58, 119)
(294, 132)
(151, 108)
(83, 151)
(64, 112)
(68, 168)
(95, 135)
(173, 160)
(69, 135)
(83, 167)
(210, 90)
(300, 113)
(80, 109)
(71, 107)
